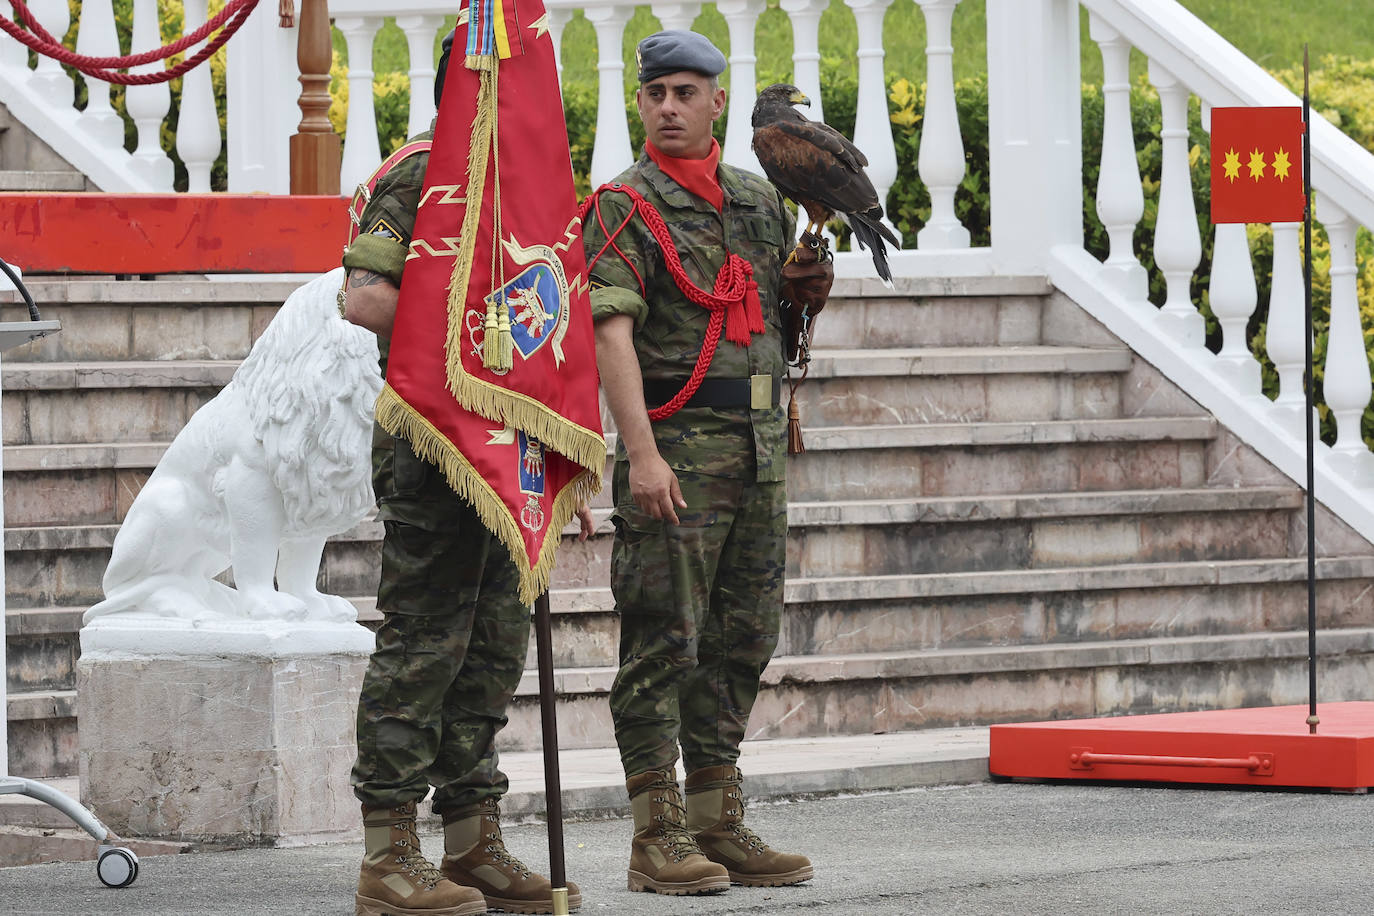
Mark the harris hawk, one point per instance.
(816, 166)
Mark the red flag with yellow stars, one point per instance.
(492, 369)
(1257, 165)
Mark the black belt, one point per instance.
(715, 392)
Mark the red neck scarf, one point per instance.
(696, 175)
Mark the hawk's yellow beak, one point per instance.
(799, 98)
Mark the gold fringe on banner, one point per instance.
(400, 419)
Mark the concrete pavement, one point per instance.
(986, 848)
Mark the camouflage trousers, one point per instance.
(700, 608)
(450, 650)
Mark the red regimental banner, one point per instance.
(492, 368)
(1257, 165)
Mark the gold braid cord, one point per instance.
(400, 419)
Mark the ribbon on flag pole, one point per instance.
(492, 368)
(1257, 165)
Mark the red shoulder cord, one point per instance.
(735, 295)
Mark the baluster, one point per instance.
(872, 128)
(611, 153)
(362, 153)
(96, 37)
(260, 104)
(420, 31)
(1233, 297)
(1346, 382)
(741, 16)
(1178, 244)
(148, 105)
(806, 67)
(1285, 328)
(559, 17)
(676, 15)
(1120, 200)
(198, 135)
(941, 160)
(49, 80)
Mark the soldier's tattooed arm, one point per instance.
(370, 301)
(653, 484)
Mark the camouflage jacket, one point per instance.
(669, 329)
(388, 221)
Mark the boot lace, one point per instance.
(737, 827)
(496, 845)
(673, 830)
(414, 863)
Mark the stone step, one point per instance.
(24, 180)
(964, 384)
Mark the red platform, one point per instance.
(172, 233)
(1251, 747)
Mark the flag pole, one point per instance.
(1312, 719)
(553, 796)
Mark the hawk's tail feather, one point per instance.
(870, 234)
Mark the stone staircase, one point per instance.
(1001, 514)
(29, 164)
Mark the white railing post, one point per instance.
(559, 17)
(1233, 296)
(806, 50)
(941, 160)
(362, 153)
(1120, 200)
(676, 15)
(261, 90)
(1346, 382)
(1178, 244)
(49, 80)
(1285, 328)
(148, 105)
(420, 32)
(1035, 136)
(741, 16)
(611, 153)
(872, 127)
(96, 37)
(198, 133)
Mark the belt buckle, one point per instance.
(760, 392)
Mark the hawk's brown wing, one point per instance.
(810, 161)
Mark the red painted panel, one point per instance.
(172, 233)
(1339, 756)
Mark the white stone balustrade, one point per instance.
(198, 134)
(1346, 382)
(1286, 327)
(941, 160)
(1178, 244)
(148, 105)
(1120, 200)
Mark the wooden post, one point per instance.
(316, 153)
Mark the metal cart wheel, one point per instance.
(117, 867)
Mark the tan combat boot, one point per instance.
(476, 856)
(396, 878)
(715, 815)
(663, 856)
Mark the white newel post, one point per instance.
(1035, 138)
(872, 127)
(941, 161)
(49, 79)
(96, 37)
(676, 15)
(741, 16)
(362, 153)
(420, 32)
(1346, 382)
(1285, 328)
(1120, 200)
(148, 105)
(261, 91)
(611, 153)
(198, 134)
(1178, 243)
(1233, 297)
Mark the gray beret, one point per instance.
(673, 50)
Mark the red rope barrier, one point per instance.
(235, 13)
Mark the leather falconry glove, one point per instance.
(806, 281)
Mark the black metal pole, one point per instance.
(548, 717)
(1312, 719)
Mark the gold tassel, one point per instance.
(286, 13)
(794, 433)
(497, 343)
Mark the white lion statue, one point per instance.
(258, 479)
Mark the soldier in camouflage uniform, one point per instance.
(700, 498)
(451, 647)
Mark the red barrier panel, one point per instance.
(172, 233)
